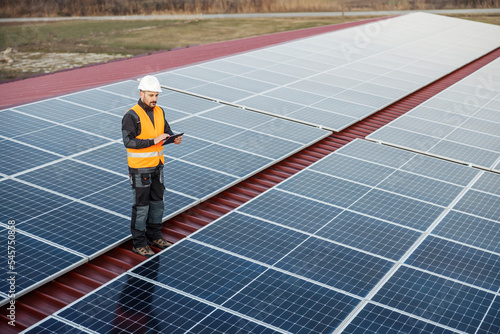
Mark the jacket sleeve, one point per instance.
(167, 130)
(131, 129)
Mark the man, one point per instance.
(144, 130)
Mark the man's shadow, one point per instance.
(134, 311)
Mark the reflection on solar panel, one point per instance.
(335, 79)
(462, 123)
(325, 251)
(65, 171)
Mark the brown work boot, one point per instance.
(160, 243)
(144, 251)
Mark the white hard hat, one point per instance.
(150, 83)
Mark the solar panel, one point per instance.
(303, 259)
(335, 79)
(460, 123)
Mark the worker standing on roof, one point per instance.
(144, 129)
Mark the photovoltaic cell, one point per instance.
(193, 180)
(440, 170)
(471, 230)
(422, 188)
(335, 265)
(207, 129)
(35, 262)
(369, 234)
(481, 204)
(238, 117)
(350, 109)
(104, 125)
(292, 304)
(459, 262)
(111, 157)
(490, 323)
(291, 210)
(71, 178)
(250, 237)
(295, 95)
(186, 103)
(324, 188)
(402, 210)
(290, 130)
(219, 92)
(320, 116)
(374, 319)
(189, 145)
(228, 160)
(202, 271)
(100, 100)
(353, 169)
(379, 154)
(14, 152)
(489, 182)
(97, 229)
(262, 144)
(254, 86)
(56, 110)
(223, 322)
(116, 198)
(14, 124)
(127, 88)
(52, 325)
(67, 142)
(437, 299)
(21, 202)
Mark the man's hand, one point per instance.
(161, 137)
(178, 140)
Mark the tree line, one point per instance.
(41, 8)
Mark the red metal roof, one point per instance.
(52, 296)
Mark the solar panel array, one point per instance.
(64, 178)
(335, 79)
(462, 123)
(370, 239)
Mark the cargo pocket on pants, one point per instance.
(145, 180)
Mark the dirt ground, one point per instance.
(14, 64)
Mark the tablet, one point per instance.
(171, 139)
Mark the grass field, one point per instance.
(128, 38)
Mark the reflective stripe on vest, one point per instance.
(149, 156)
(144, 155)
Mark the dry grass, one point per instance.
(30, 8)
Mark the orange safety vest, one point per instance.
(149, 156)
